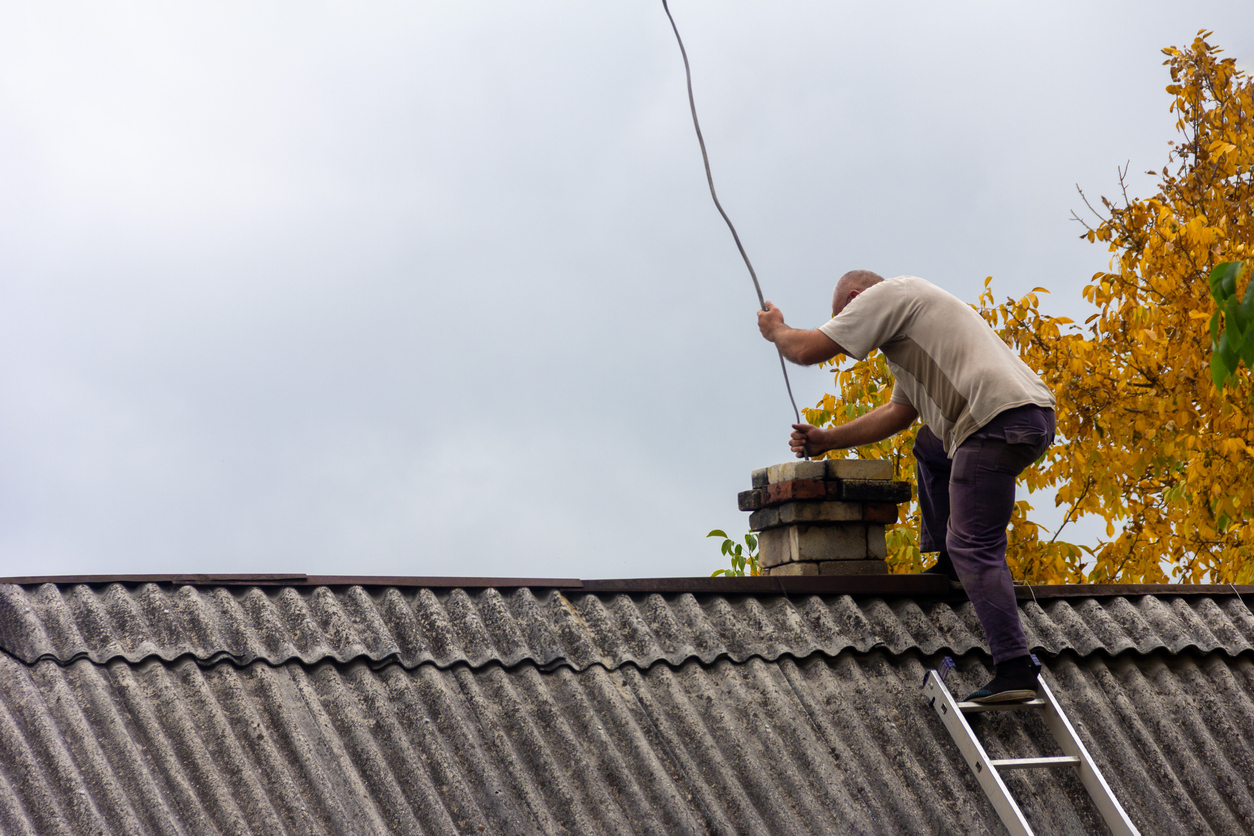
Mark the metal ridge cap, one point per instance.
(886, 584)
(925, 585)
(1127, 590)
(904, 584)
(830, 584)
(209, 579)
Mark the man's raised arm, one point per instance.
(805, 348)
(876, 425)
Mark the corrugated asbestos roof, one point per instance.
(389, 710)
(549, 628)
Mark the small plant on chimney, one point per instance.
(744, 559)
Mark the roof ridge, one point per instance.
(576, 628)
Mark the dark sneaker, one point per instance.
(1015, 681)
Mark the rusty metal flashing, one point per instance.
(902, 585)
(1129, 590)
(297, 580)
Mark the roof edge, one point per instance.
(904, 585)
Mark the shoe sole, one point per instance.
(1021, 695)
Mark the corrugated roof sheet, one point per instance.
(550, 628)
(160, 709)
(840, 744)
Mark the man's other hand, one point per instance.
(807, 440)
(770, 320)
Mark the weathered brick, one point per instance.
(780, 472)
(759, 478)
(848, 490)
(880, 512)
(810, 470)
(867, 490)
(876, 543)
(793, 490)
(794, 569)
(811, 512)
(853, 567)
(805, 512)
(774, 547)
(749, 500)
(838, 542)
(788, 471)
(793, 543)
(878, 469)
(764, 519)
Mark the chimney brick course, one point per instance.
(823, 517)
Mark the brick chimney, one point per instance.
(823, 517)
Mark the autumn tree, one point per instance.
(1147, 442)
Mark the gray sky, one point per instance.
(419, 288)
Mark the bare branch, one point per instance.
(1088, 484)
(1097, 214)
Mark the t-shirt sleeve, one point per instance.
(874, 317)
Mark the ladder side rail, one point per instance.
(977, 759)
(1090, 776)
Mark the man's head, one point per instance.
(850, 285)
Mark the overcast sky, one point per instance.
(438, 289)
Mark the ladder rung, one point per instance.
(988, 770)
(980, 708)
(1035, 763)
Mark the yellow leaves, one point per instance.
(1145, 440)
(862, 387)
(1232, 446)
(1146, 443)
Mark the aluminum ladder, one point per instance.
(988, 770)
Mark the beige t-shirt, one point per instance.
(949, 363)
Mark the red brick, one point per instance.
(793, 491)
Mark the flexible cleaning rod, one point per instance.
(710, 178)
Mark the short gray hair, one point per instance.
(853, 281)
(857, 280)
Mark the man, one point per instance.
(986, 417)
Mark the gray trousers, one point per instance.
(966, 504)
